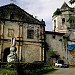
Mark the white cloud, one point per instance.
(41, 8)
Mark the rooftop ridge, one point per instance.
(64, 5)
(29, 16)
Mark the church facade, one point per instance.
(28, 31)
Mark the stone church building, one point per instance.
(28, 31)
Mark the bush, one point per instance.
(30, 66)
(36, 68)
(38, 64)
(8, 72)
(41, 71)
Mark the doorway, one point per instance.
(6, 53)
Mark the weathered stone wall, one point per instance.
(59, 26)
(30, 49)
(15, 22)
(34, 27)
(31, 52)
(62, 23)
(56, 44)
(11, 25)
(60, 47)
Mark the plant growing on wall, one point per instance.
(72, 1)
(72, 18)
(54, 54)
(73, 55)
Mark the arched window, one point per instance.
(63, 20)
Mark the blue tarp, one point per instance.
(70, 47)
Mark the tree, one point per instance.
(72, 1)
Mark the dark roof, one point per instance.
(57, 12)
(56, 33)
(20, 13)
(64, 6)
(63, 9)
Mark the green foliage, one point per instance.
(7, 72)
(53, 54)
(72, 1)
(57, 12)
(71, 19)
(74, 65)
(30, 66)
(35, 68)
(41, 71)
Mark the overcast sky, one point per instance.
(44, 9)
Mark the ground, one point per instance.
(63, 71)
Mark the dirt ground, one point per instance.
(63, 71)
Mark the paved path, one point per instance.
(63, 71)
